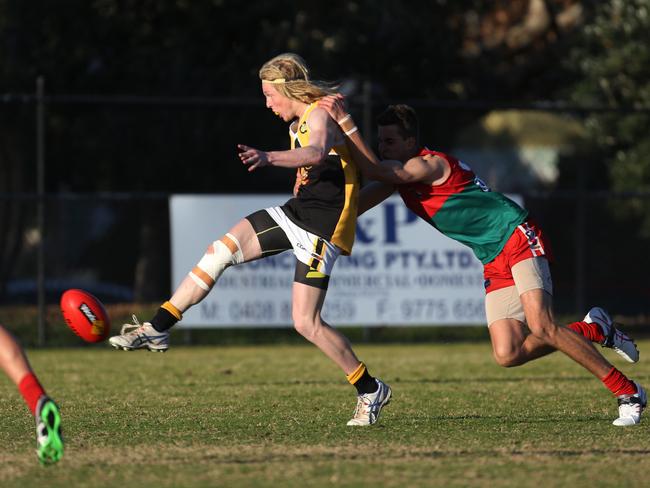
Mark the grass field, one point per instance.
(275, 416)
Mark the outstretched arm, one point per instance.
(297, 183)
(322, 137)
(414, 170)
(363, 155)
(373, 194)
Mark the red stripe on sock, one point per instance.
(618, 384)
(592, 331)
(31, 390)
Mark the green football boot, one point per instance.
(49, 441)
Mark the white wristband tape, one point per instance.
(351, 131)
(344, 119)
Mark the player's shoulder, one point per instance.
(319, 120)
(436, 159)
(318, 114)
(419, 160)
(430, 168)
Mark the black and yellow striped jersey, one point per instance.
(326, 202)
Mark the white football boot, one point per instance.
(369, 405)
(614, 338)
(136, 336)
(630, 407)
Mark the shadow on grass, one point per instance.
(322, 453)
(509, 379)
(553, 379)
(517, 420)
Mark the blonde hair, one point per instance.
(289, 75)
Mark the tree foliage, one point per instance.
(203, 48)
(213, 48)
(499, 50)
(612, 62)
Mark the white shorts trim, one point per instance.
(534, 243)
(305, 244)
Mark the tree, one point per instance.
(612, 60)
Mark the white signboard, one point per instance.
(402, 271)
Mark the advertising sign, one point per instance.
(401, 272)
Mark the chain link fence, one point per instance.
(85, 181)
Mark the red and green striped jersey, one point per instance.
(465, 209)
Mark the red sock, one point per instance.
(592, 331)
(31, 390)
(618, 383)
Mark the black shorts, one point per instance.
(273, 240)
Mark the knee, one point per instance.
(218, 256)
(543, 329)
(306, 327)
(507, 358)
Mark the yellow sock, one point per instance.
(356, 374)
(172, 310)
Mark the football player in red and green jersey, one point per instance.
(514, 251)
(13, 361)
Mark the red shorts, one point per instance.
(527, 241)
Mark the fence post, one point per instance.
(580, 232)
(366, 130)
(366, 101)
(40, 190)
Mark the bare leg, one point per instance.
(307, 305)
(513, 345)
(189, 293)
(12, 358)
(538, 309)
(48, 420)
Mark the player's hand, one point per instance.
(253, 158)
(335, 106)
(296, 185)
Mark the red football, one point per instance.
(85, 315)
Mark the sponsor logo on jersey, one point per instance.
(481, 184)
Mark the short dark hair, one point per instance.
(404, 117)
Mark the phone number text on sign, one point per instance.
(347, 312)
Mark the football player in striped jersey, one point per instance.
(318, 224)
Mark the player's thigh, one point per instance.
(532, 278)
(307, 302)
(538, 308)
(503, 303)
(262, 236)
(506, 320)
(532, 273)
(507, 337)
